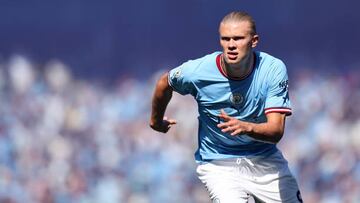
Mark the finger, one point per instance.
(223, 125)
(172, 121)
(227, 123)
(227, 129)
(166, 128)
(237, 131)
(224, 115)
(170, 124)
(169, 121)
(223, 112)
(231, 122)
(163, 129)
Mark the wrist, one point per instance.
(155, 122)
(250, 128)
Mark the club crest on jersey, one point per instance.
(236, 99)
(216, 200)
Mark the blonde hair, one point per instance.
(239, 16)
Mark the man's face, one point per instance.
(236, 40)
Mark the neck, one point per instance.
(240, 70)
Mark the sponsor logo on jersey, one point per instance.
(284, 84)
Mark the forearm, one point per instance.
(161, 98)
(268, 132)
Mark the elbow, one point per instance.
(277, 138)
(275, 126)
(277, 135)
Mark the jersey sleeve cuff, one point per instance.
(286, 111)
(169, 79)
(171, 85)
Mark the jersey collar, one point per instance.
(221, 69)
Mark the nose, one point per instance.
(231, 44)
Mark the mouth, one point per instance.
(232, 55)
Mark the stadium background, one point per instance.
(76, 79)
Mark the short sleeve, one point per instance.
(277, 99)
(180, 79)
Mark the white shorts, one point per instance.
(266, 179)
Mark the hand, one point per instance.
(232, 125)
(164, 125)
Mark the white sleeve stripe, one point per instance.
(280, 110)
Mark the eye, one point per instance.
(238, 38)
(225, 38)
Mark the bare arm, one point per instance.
(161, 98)
(270, 131)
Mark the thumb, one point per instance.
(224, 115)
(170, 121)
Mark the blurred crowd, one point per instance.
(71, 140)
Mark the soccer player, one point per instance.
(243, 100)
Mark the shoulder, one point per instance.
(193, 68)
(269, 65)
(199, 65)
(209, 58)
(269, 61)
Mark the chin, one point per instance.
(232, 61)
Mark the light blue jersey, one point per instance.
(263, 91)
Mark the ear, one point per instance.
(254, 41)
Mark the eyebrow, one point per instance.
(232, 37)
